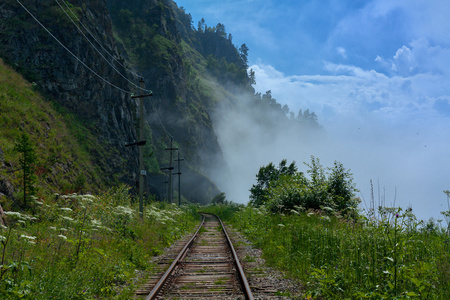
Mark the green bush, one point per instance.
(283, 188)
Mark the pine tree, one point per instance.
(243, 53)
(27, 161)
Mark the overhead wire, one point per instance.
(87, 30)
(100, 44)
(98, 51)
(160, 122)
(71, 53)
(91, 70)
(158, 139)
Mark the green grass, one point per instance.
(220, 281)
(62, 142)
(391, 257)
(85, 247)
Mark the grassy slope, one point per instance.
(63, 163)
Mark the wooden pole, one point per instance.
(141, 151)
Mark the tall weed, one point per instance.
(84, 246)
(391, 257)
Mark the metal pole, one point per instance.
(141, 151)
(170, 171)
(179, 180)
(141, 143)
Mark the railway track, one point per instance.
(207, 267)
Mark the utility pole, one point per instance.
(165, 188)
(179, 177)
(166, 182)
(141, 143)
(170, 169)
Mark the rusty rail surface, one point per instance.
(169, 271)
(241, 273)
(206, 267)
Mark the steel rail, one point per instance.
(240, 271)
(242, 277)
(157, 288)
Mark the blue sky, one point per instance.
(376, 73)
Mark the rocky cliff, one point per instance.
(107, 112)
(92, 79)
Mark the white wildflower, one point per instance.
(52, 228)
(310, 214)
(87, 199)
(124, 210)
(96, 223)
(106, 228)
(294, 212)
(63, 229)
(38, 202)
(3, 227)
(2, 238)
(13, 214)
(281, 225)
(327, 218)
(67, 218)
(62, 236)
(65, 209)
(32, 238)
(21, 221)
(299, 208)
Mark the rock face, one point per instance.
(78, 85)
(88, 79)
(6, 188)
(176, 108)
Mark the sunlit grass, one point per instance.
(61, 157)
(391, 257)
(84, 246)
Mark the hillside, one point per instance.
(86, 59)
(102, 114)
(62, 143)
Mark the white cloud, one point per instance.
(381, 108)
(342, 52)
(418, 57)
(388, 128)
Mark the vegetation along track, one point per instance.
(206, 268)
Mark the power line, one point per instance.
(91, 70)
(158, 139)
(132, 72)
(67, 49)
(98, 51)
(160, 122)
